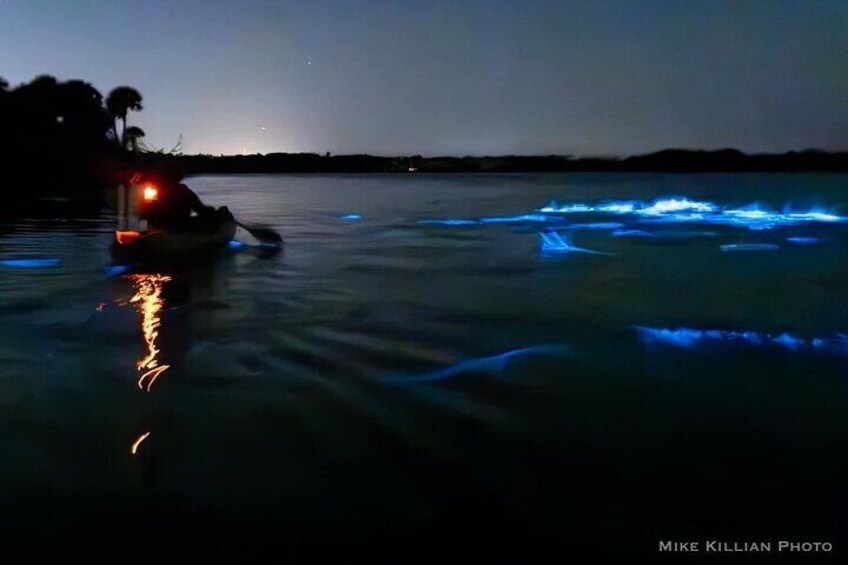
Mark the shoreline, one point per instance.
(666, 161)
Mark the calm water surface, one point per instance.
(357, 392)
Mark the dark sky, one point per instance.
(461, 77)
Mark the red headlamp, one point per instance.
(150, 193)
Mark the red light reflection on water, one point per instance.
(149, 303)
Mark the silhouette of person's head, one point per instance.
(163, 176)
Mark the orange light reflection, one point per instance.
(149, 303)
(136, 443)
(151, 376)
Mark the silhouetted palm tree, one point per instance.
(119, 102)
(132, 135)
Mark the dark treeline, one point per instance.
(65, 137)
(670, 160)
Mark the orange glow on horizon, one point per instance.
(137, 442)
(149, 303)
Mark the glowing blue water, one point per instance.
(450, 222)
(117, 270)
(804, 240)
(681, 209)
(30, 263)
(663, 210)
(750, 247)
(690, 338)
(555, 243)
(517, 219)
(630, 233)
(596, 226)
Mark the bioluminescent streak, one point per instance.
(148, 301)
(30, 263)
(517, 219)
(596, 226)
(351, 217)
(631, 233)
(663, 210)
(554, 243)
(450, 222)
(750, 247)
(656, 208)
(137, 442)
(690, 338)
(803, 240)
(666, 235)
(234, 245)
(494, 220)
(554, 208)
(677, 206)
(116, 270)
(679, 209)
(495, 364)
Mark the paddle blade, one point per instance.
(265, 235)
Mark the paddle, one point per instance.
(265, 235)
(270, 242)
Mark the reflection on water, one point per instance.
(137, 442)
(149, 303)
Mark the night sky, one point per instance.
(462, 77)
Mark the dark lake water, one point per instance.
(450, 373)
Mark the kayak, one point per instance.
(205, 236)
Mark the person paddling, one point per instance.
(169, 205)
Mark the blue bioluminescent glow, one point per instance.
(803, 240)
(680, 209)
(676, 206)
(814, 216)
(689, 338)
(495, 364)
(351, 217)
(449, 222)
(554, 243)
(236, 245)
(596, 226)
(554, 208)
(663, 210)
(656, 208)
(117, 270)
(631, 233)
(30, 263)
(750, 247)
(517, 219)
(618, 207)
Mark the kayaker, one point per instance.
(172, 206)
